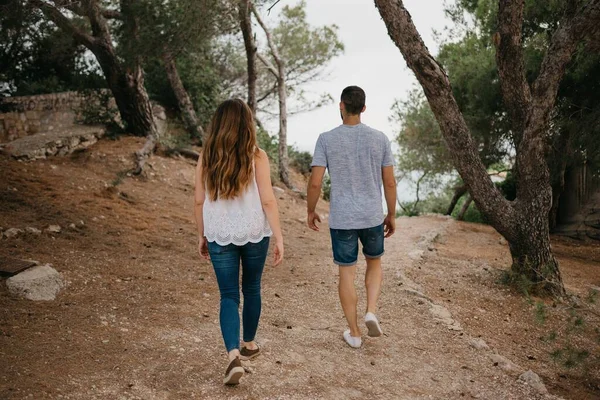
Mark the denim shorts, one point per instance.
(345, 244)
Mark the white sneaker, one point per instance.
(351, 340)
(373, 325)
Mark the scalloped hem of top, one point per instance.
(241, 243)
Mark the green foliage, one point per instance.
(472, 214)
(518, 281)
(200, 77)
(408, 209)
(326, 189)
(508, 186)
(300, 160)
(419, 139)
(268, 143)
(569, 336)
(36, 57)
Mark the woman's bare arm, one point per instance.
(269, 203)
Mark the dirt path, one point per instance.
(139, 319)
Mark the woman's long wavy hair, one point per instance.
(229, 150)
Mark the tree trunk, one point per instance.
(245, 8)
(284, 162)
(459, 191)
(186, 108)
(463, 210)
(557, 164)
(279, 74)
(531, 256)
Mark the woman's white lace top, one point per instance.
(236, 221)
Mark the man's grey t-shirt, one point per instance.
(354, 156)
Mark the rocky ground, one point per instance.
(138, 318)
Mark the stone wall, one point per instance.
(28, 115)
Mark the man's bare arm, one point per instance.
(313, 192)
(389, 191)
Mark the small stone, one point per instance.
(278, 190)
(532, 379)
(504, 363)
(205, 315)
(53, 229)
(502, 241)
(12, 232)
(80, 223)
(72, 226)
(372, 362)
(33, 231)
(478, 344)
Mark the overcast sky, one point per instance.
(370, 60)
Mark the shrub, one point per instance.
(300, 160)
(97, 108)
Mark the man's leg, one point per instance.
(348, 297)
(372, 241)
(373, 280)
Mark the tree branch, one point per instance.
(562, 45)
(112, 14)
(268, 64)
(250, 46)
(64, 23)
(268, 93)
(509, 58)
(272, 46)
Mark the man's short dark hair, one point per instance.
(353, 98)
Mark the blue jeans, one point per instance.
(226, 263)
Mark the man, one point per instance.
(359, 160)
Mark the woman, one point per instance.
(236, 213)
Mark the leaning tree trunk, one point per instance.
(464, 208)
(279, 74)
(245, 8)
(184, 102)
(518, 221)
(459, 191)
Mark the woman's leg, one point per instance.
(253, 262)
(226, 263)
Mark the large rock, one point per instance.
(55, 142)
(532, 379)
(38, 283)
